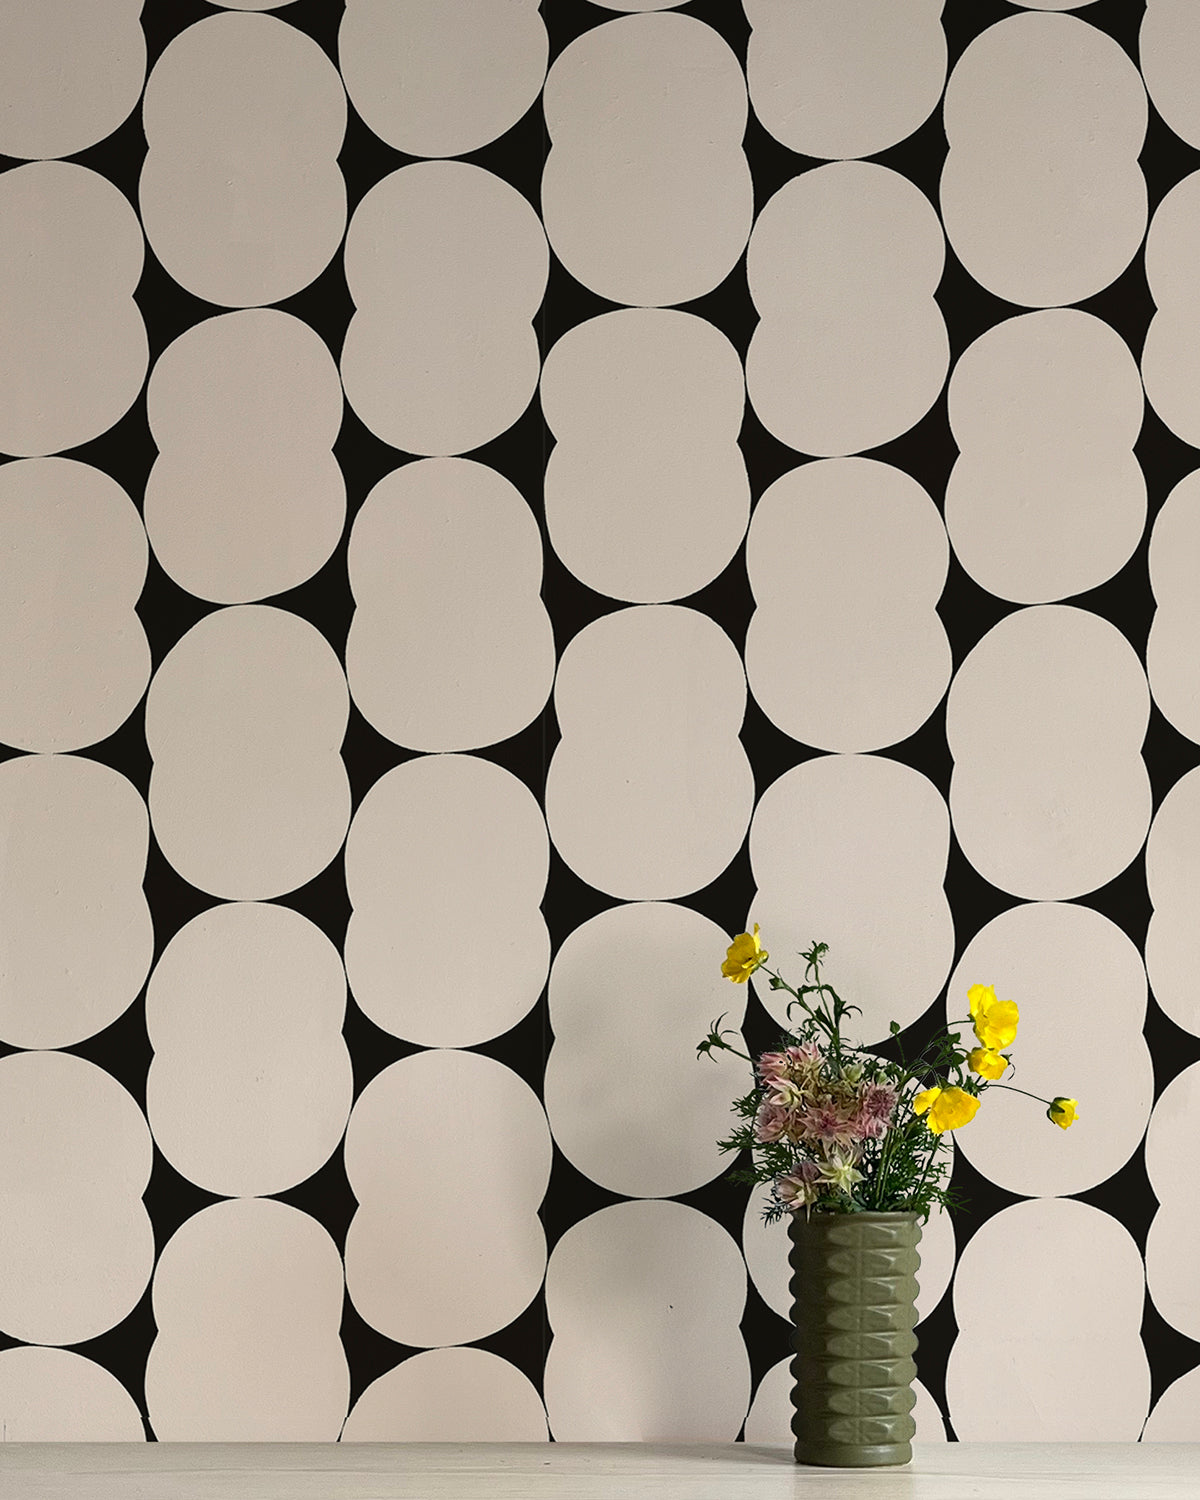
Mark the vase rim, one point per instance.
(867, 1213)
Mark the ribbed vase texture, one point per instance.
(854, 1289)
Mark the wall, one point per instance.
(497, 499)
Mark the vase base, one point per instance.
(853, 1455)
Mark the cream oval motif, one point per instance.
(444, 358)
(844, 78)
(450, 647)
(241, 194)
(74, 351)
(72, 566)
(245, 499)
(420, 1276)
(233, 1362)
(646, 192)
(442, 77)
(1042, 196)
(851, 348)
(658, 812)
(245, 719)
(1046, 718)
(646, 490)
(1046, 498)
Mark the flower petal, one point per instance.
(987, 1063)
(980, 995)
(744, 955)
(953, 1109)
(1063, 1112)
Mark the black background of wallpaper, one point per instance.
(927, 452)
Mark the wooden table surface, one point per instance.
(587, 1471)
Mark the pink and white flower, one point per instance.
(770, 1122)
(800, 1186)
(829, 1124)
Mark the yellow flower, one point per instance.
(745, 955)
(986, 1063)
(952, 1108)
(995, 1020)
(923, 1100)
(1062, 1112)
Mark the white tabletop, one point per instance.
(597, 1471)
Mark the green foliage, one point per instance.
(906, 1166)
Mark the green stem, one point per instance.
(915, 1195)
(1013, 1089)
(881, 1175)
(818, 1014)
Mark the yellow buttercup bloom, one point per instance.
(952, 1108)
(1062, 1112)
(924, 1100)
(744, 956)
(995, 1020)
(986, 1063)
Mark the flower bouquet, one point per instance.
(836, 1128)
(857, 1138)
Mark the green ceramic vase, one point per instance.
(854, 1291)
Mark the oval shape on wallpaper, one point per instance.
(851, 850)
(1045, 719)
(71, 71)
(630, 991)
(72, 565)
(56, 1396)
(1046, 499)
(245, 720)
(442, 77)
(424, 1131)
(444, 358)
(447, 844)
(78, 1248)
(851, 350)
(646, 192)
(250, 1085)
(449, 1396)
(1173, 880)
(1171, 1168)
(860, 659)
(649, 791)
(78, 938)
(844, 78)
(245, 499)
(1004, 1380)
(1051, 958)
(233, 1362)
(241, 195)
(646, 490)
(450, 647)
(74, 352)
(1042, 196)
(1170, 364)
(1169, 53)
(644, 1300)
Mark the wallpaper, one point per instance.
(497, 498)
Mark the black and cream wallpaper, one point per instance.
(496, 498)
